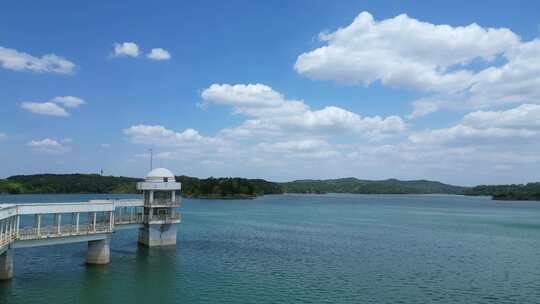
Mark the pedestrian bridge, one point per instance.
(39, 224)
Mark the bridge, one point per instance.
(39, 224)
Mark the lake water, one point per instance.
(303, 249)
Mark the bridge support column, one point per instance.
(99, 252)
(152, 235)
(6, 265)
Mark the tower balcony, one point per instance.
(174, 218)
(158, 202)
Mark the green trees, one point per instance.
(530, 191)
(354, 185)
(226, 187)
(67, 183)
(235, 187)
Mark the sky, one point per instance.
(279, 90)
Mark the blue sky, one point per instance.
(276, 89)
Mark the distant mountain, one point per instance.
(359, 186)
(229, 187)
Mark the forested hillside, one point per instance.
(518, 192)
(354, 185)
(235, 187)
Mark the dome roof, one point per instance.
(159, 175)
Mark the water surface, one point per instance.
(303, 249)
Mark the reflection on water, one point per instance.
(304, 249)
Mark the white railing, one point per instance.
(129, 219)
(31, 233)
(167, 218)
(166, 202)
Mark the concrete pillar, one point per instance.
(152, 235)
(77, 216)
(6, 265)
(18, 226)
(94, 221)
(38, 225)
(99, 252)
(1, 230)
(58, 222)
(111, 220)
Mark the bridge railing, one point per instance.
(163, 217)
(30, 233)
(129, 219)
(167, 202)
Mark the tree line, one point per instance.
(235, 187)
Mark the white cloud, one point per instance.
(53, 107)
(404, 52)
(462, 134)
(273, 115)
(459, 67)
(18, 61)
(159, 54)
(159, 135)
(3, 136)
(44, 108)
(105, 146)
(517, 80)
(47, 145)
(526, 116)
(69, 101)
(130, 49)
(506, 127)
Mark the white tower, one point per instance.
(161, 198)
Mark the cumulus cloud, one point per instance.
(55, 107)
(68, 101)
(47, 145)
(159, 135)
(526, 116)
(439, 60)
(129, 49)
(520, 123)
(159, 54)
(44, 108)
(273, 115)
(404, 52)
(18, 61)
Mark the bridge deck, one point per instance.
(76, 221)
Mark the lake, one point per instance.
(333, 248)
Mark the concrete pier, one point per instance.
(99, 252)
(158, 235)
(6, 265)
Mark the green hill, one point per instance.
(354, 185)
(235, 187)
(68, 183)
(226, 187)
(516, 192)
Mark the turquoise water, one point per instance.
(304, 249)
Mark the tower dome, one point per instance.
(160, 175)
